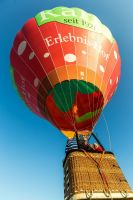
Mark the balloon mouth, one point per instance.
(71, 105)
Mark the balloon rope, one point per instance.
(108, 132)
(101, 173)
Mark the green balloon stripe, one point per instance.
(74, 17)
(87, 116)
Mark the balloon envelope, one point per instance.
(66, 67)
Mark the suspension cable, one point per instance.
(107, 130)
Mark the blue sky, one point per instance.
(31, 150)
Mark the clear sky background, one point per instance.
(31, 150)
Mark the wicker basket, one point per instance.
(91, 175)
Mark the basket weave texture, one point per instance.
(87, 172)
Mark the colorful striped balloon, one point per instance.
(66, 66)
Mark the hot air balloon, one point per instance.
(66, 67)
